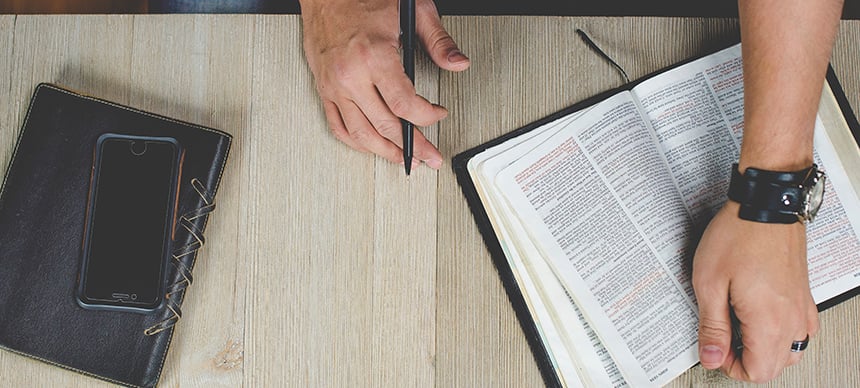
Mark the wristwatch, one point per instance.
(776, 196)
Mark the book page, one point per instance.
(539, 309)
(833, 238)
(586, 222)
(696, 111)
(579, 342)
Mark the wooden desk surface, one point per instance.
(312, 274)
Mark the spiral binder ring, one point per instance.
(176, 291)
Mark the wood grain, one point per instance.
(325, 266)
(8, 129)
(404, 263)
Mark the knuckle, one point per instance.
(360, 135)
(426, 120)
(349, 70)
(339, 133)
(399, 106)
(713, 328)
(440, 40)
(393, 157)
(343, 73)
(389, 128)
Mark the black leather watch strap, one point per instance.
(767, 196)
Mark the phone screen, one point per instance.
(131, 211)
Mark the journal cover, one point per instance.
(512, 288)
(43, 203)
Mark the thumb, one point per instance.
(439, 45)
(715, 328)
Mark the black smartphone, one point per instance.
(131, 217)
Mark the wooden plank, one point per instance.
(846, 61)
(479, 341)
(404, 266)
(199, 70)
(308, 230)
(8, 128)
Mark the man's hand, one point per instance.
(759, 270)
(352, 48)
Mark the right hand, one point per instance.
(352, 48)
(760, 271)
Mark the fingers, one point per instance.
(439, 45)
(812, 327)
(389, 126)
(400, 99)
(338, 128)
(795, 357)
(362, 132)
(361, 80)
(715, 326)
(767, 339)
(392, 98)
(349, 125)
(425, 151)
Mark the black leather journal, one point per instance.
(43, 209)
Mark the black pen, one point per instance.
(407, 40)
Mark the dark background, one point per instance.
(713, 8)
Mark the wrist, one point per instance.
(775, 147)
(785, 161)
(782, 197)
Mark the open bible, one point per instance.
(593, 214)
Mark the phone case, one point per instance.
(131, 163)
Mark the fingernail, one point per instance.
(711, 356)
(415, 163)
(455, 56)
(434, 163)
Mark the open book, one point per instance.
(593, 216)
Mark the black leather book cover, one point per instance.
(43, 203)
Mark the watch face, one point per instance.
(814, 189)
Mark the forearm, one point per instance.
(786, 49)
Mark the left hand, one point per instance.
(760, 271)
